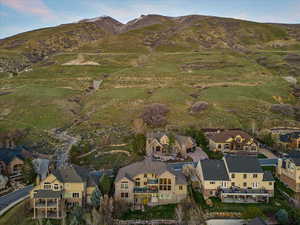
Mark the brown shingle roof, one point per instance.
(223, 136)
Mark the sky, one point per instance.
(18, 16)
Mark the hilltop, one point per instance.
(247, 72)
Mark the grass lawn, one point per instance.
(17, 216)
(157, 212)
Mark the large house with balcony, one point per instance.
(232, 141)
(150, 183)
(165, 146)
(237, 179)
(60, 191)
(288, 170)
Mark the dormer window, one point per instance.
(47, 186)
(56, 187)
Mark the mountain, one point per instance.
(235, 73)
(151, 32)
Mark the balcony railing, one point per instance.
(240, 191)
(145, 190)
(152, 181)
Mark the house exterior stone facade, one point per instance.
(150, 183)
(60, 191)
(163, 146)
(235, 179)
(288, 171)
(232, 141)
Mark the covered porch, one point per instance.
(237, 195)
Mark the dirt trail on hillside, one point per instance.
(80, 61)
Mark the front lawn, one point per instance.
(157, 212)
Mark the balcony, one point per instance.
(42, 204)
(240, 191)
(145, 190)
(152, 181)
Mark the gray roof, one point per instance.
(184, 140)
(148, 166)
(74, 174)
(214, 170)
(257, 221)
(243, 164)
(47, 194)
(268, 176)
(296, 161)
(157, 134)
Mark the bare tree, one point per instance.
(155, 114)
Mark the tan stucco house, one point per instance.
(232, 141)
(61, 190)
(288, 171)
(166, 146)
(235, 179)
(150, 183)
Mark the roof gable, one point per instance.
(214, 170)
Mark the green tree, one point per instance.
(28, 172)
(268, 139)
(77, 216)
(282, 216)
(139, 144)
(96, 197)
(198, 136)
(48, 222)
(74, 221)
(105, 184)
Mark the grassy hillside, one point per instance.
(238, 67)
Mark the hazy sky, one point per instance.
(22, 15)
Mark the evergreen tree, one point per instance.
(28, 172)
(96, 198)
(139, 144)
(282, 216)
(105, 184)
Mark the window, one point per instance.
(232, 184)
(245, 176)
(245, 184)
(47, 186)
(56, 187)
(219, 146)
(255, 175)
(145, 183)
(180, 188)
(255, 185)
(137, 182)
(212, 182)
(124, 195)
(165, 184)
(145, 175)
(270, 183)
(75, 195)
(233, 175)
(124, 185)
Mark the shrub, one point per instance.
(282, 216)
(105, 184)
(155, 114)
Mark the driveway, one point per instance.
(10, 198)
(268, 153)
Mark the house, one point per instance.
(150, 182)
(61, 190)
(290, 140)
(235, 179)
(288, 170)
(12, 161)
(283, 130)
(165, 147)
(233, 141)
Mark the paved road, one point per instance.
(10, 198)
